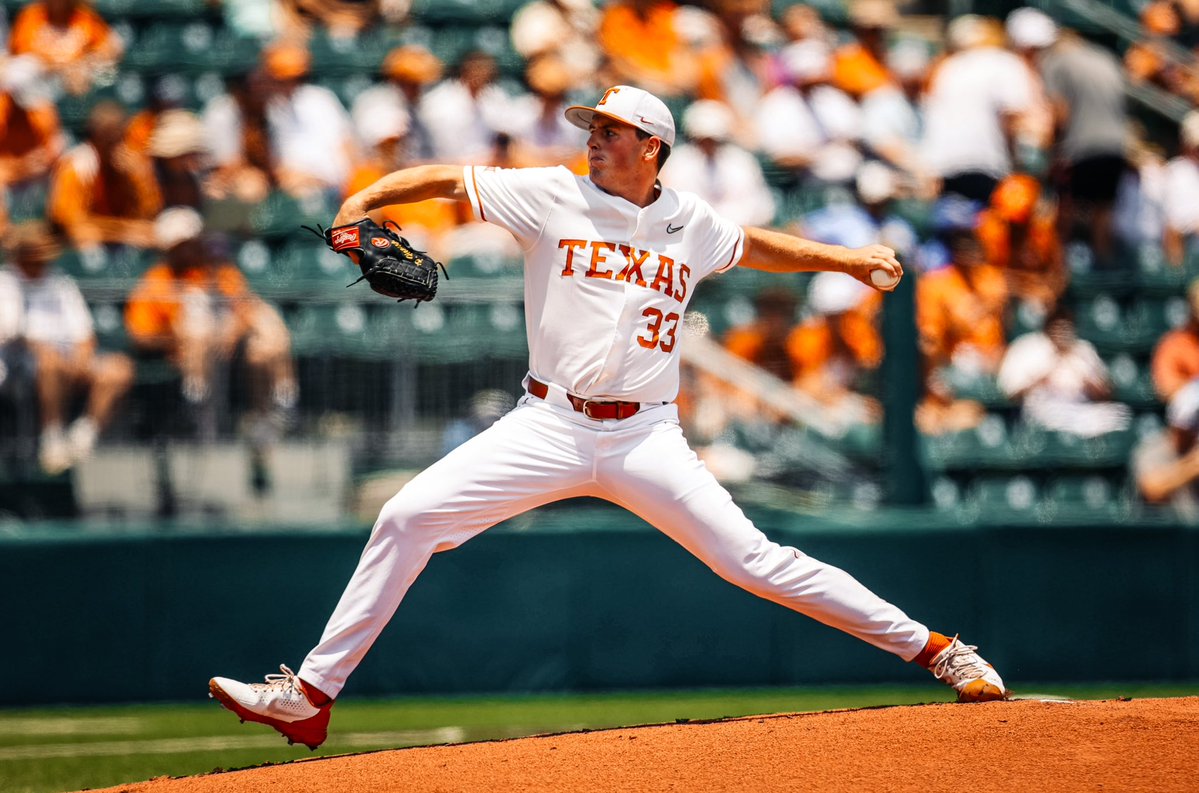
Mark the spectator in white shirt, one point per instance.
(466, 113)
(718, 171)
(44, 312)
(1061, 381)
(973, 100)
(806, 124)
(1181, 188)
(408, 70)
(311, 134)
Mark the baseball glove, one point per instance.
(388, 262)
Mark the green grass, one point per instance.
(48, 750)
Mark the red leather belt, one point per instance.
(589, 407)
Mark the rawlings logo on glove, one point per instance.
(388, 263)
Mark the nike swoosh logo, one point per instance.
(672, 229)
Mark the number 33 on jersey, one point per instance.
(608, 281)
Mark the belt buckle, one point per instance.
(587, 406)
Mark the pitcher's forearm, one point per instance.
(406, 186)
(776, 251)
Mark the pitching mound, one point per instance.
(1012, 746)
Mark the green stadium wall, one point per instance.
(585, 598)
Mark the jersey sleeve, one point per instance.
(720, 242)
(516, 199)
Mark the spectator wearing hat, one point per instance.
(1061, 382)
(237, 136)
(1085, 86)
(717, 170)
(1165, 464)
(1028, 32)
(645, 47)
(43, 316)
(566, 29)
(860, 65)
(974, 97)
(312, 140)
(178, 154)
(73, 42)
(807, 125)
(101, 191)
(407, 71)
(31, 138)
(1181, 187)
(1018, 232)
(199, 313)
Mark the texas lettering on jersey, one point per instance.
(620, 262)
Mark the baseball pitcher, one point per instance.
(611, 261)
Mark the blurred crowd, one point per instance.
(996, 155)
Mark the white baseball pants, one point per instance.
(544, 451)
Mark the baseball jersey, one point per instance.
(606, 282)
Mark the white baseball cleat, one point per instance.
(962, 668)
(280, 702)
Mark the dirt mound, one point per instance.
(1011, 746)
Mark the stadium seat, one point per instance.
(328, 329)
(108, 270)
(169, 46)
(152, 9)
(1087, 497)
(1132, 383)
(282, 215)
(348, 56)
(1001, 498)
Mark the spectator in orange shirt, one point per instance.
(101, 191)
(1176, 359)
(1018, 232)
(645, 48)
(859, 67)
(31, 138)
(960, 307)
(199, 313)
(764, 341)
(836, 349)
(71, 39)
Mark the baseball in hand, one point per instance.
(883, 279)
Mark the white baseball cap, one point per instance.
(177, 225)
(632, 106)
(708, 118)
(1031, 29)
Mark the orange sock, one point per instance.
(315, 696)
(936, 643)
